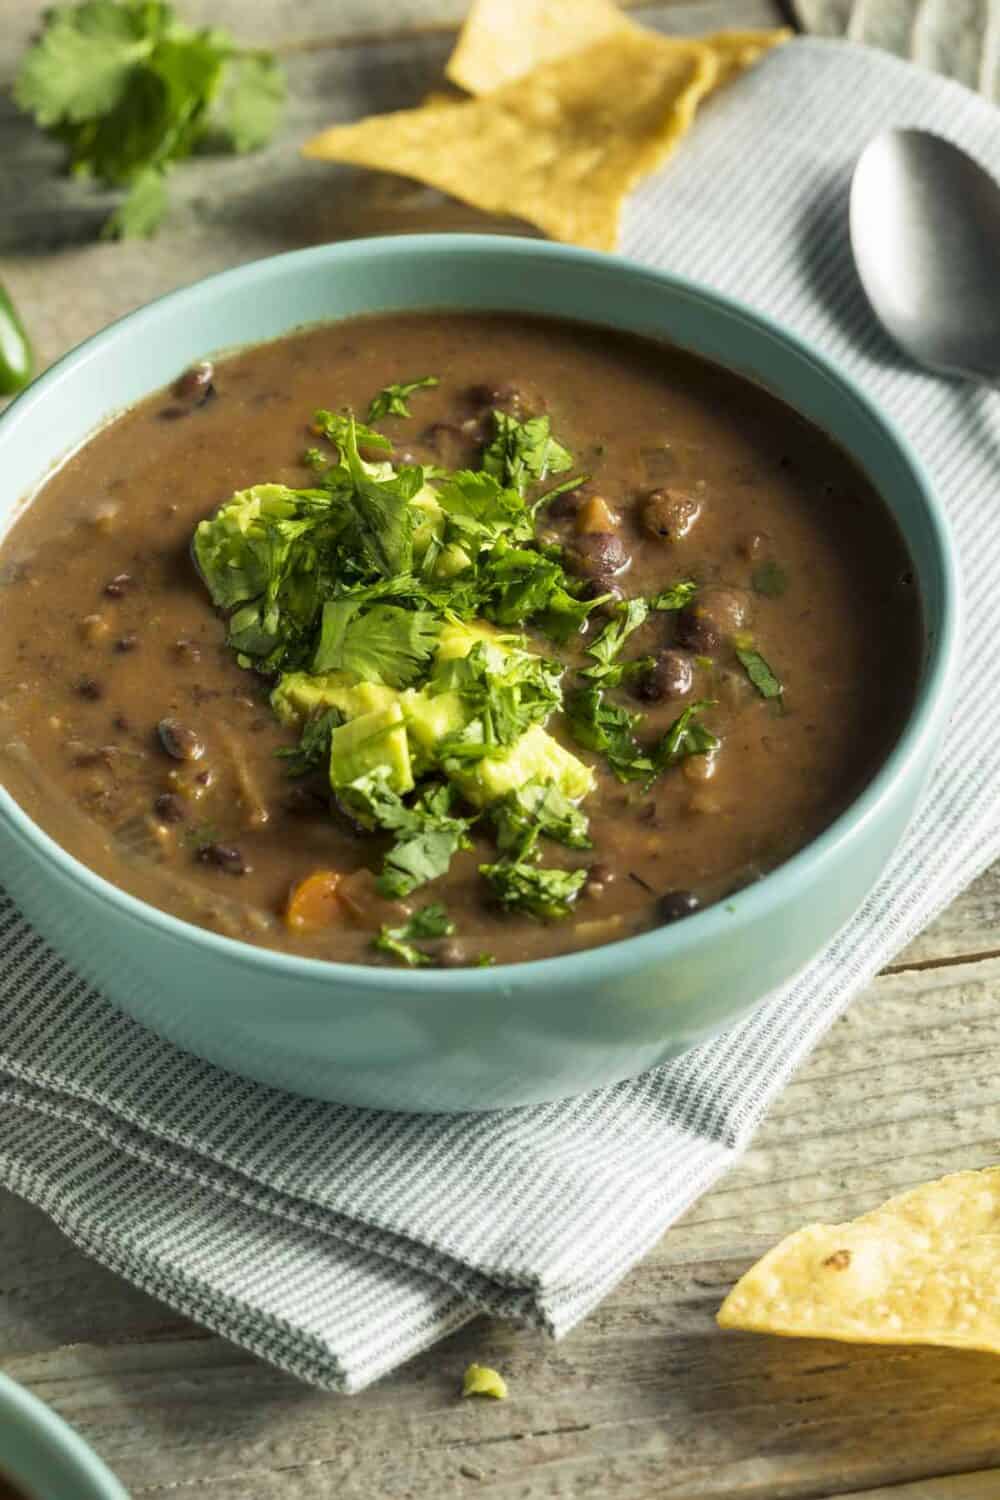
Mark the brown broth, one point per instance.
(85, 675)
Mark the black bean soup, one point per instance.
(450, 639)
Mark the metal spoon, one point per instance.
(925, 230)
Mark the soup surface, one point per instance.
(7, 1490)
(562, 725)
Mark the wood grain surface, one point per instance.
(647, 1398)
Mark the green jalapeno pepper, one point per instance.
(16, 358)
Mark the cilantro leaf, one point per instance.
(480, 509)
(523, 451)
(759, 673)
(543, 893)
(769, 579)
(80, 66)
(533, 810)
(431, 921)
(626, 619)
(503, 697)
(380, 534)
(608, 728)
(426, 834)
(676, 596)
(248, 107)
(128, 90)
(141, 211)
(385, 644)
(313, 749)
(337, 427)
(686, 736)
(391, 400)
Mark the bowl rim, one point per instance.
(57, 1438)
(721, 920)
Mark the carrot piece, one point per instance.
(313, 902)
(595, 514)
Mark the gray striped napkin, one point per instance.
(338, 1242)
(959, 38)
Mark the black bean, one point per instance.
(599, 877)
(677, 904)
(449, 443)
(120, 722)
(168, 808)
(90, 688)
(669, 514)
(567, 504)
(127, 642)
(119, 586)
(670, 676)
(225, 857)
(179, 740)
(195, 385)
(450, 953)
(601, 555)
(716, 615)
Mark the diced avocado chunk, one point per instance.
(454, 559)
(298, 696)
(457, 639)
(536, 756)
(432, 716)
(429, 520)
(372, 740)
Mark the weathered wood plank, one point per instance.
(647, 1398)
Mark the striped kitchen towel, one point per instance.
(337, 1242)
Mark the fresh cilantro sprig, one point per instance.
(129, 90)
(391, 400)
(432, 921)
(426, 835)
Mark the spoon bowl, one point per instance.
(925, 231)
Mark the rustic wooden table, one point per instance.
(647, 1398)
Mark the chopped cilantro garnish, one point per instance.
(534, 810)
(523, 451)
(676, 596)
(341, 429)
(604, 649)
(426, 835)
(759, 673)
(431, 922)
(503, 697)
(546, 894)
(384, 644)
(769, 579)
(686, 736)
(391, 400)
(128, 91)
(598, 724)
(313, 749)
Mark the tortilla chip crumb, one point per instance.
(480, 1380)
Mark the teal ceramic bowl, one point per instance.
(43, 1456)
(519, 1034)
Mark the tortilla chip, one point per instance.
(922, 1269)
(738, 50)
(561, 147)
(503, 39)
